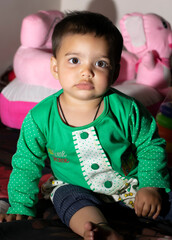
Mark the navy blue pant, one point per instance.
(68, 199)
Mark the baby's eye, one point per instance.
(74, 60)
(102, 64)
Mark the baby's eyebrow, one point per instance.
(104, 57)
(72, 53)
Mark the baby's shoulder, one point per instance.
(43, 109)
(118, 98)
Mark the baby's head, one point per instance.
(83, 22)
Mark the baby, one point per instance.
(101, 143)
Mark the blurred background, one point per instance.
(12, 13)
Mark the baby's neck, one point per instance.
(79, 113)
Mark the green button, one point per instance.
(108, 184)
(95, 166)
(84, 135)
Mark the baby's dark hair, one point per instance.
(83, 22)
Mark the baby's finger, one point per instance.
(136, 204)
(2, 217)
(157, 212)
(152, 211)
(19, 217)
(10, 217)
(139, 208)
(146, 210)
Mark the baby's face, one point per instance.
(82, 66)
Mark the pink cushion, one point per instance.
(17, 98)
(12, 113)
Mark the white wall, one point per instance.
(13, 11)
(115, 9)
(11, 14)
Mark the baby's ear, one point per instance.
(115, 72)
(54, 68)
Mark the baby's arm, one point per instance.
(148, 202)
(152, 163)
(27, 163)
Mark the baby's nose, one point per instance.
(87, 72)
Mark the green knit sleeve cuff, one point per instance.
(22, 210)
(155, 179)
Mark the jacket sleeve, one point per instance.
(27, 163)
(149, 149)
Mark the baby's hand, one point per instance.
(148, 202)
(12, 217)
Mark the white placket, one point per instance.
(95, 166)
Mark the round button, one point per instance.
(108, 184)
(95, 166)
(84, 135)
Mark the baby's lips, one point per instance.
(85, 85)
(170, 45)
